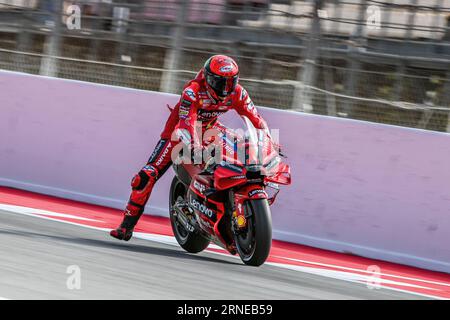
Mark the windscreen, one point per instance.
(255, 140)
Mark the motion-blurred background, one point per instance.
(384, 61)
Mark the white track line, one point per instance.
(364, 271)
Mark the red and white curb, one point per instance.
(372, 273)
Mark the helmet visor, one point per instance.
(222, 86)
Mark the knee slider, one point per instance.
(144, 177)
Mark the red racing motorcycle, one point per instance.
(227, 202)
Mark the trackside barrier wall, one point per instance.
(374, 190)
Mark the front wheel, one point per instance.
(253, 244)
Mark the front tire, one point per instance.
(191, 242)
(254, 244)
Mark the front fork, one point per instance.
(235, 206)
(240, 216)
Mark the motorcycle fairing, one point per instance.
(227, 176)
(211, 223)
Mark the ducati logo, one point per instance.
(227, 68)
(200, 187)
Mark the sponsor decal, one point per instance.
(273, 185)
(241, 221)
(164, 154)
(209, 114)
(189, 227)
(203, 209)
(184, 134)
(206, 223)
(227, 68)
(200, 187)
(212, 99)
(230, 166)
(149, 168)
(239, 207)
(185, 102)
(183, 113)
(273, 162)
(224, 106)
(251, 106)
(156, 151)
(228, 148)
(237, 177)
(190, 93)
(205, 102)
(243, 93)
(255, 192)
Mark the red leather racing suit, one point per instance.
(195, 104)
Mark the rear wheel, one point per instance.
(253, 244)
(191, 242)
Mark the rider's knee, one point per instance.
(143, 178)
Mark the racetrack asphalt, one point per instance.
(36, 254)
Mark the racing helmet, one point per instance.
(221, 76)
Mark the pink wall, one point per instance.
(375, 190)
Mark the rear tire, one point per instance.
(191, 242)
(254, 246)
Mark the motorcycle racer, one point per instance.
(213, 91)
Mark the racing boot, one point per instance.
(125, 230)
(141, 184)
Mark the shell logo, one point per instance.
(241, 221)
